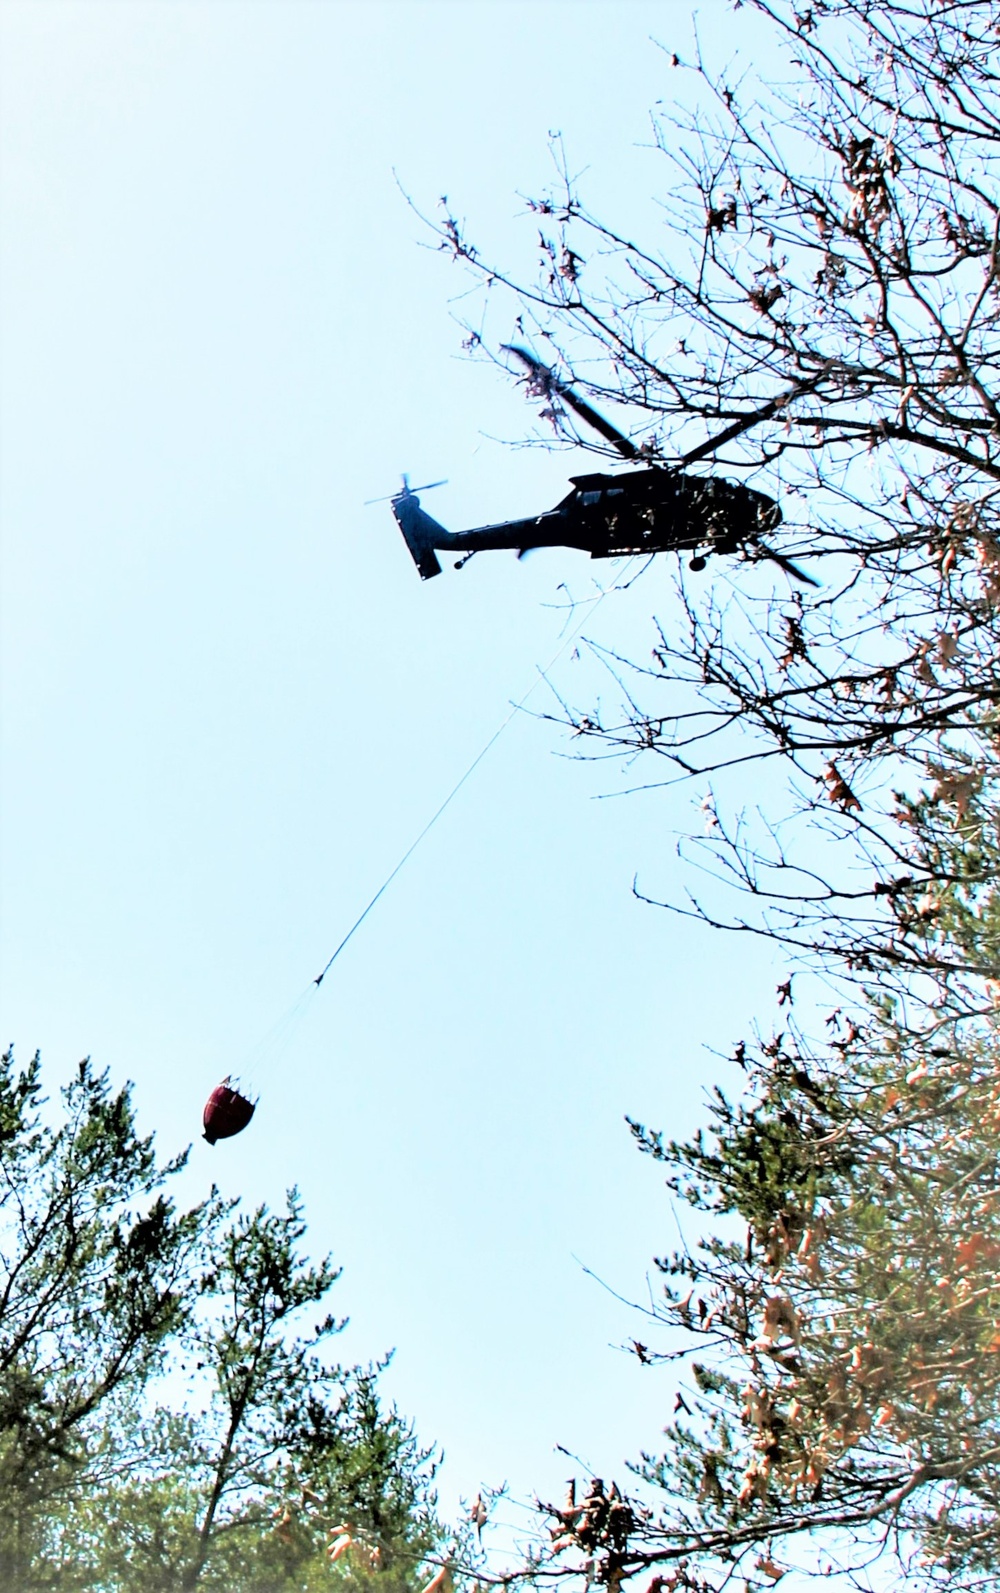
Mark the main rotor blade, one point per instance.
(548, 382)
(787, 565)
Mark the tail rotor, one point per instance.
(405, 491)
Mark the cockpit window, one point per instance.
(590, 497)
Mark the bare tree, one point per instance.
(828, 305)
(822, 322)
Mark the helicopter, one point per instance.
(654, 509)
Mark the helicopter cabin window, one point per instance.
(590, 497)
(616, 492)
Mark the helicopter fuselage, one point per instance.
(651, 510)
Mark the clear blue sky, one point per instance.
(229, 703)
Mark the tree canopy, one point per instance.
(167, 1418)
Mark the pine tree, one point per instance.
(170, 1415)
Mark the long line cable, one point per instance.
(265, 1053)
(456, 788)
(425, 831)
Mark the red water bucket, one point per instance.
(226, 1113)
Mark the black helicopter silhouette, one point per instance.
(656, 509)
